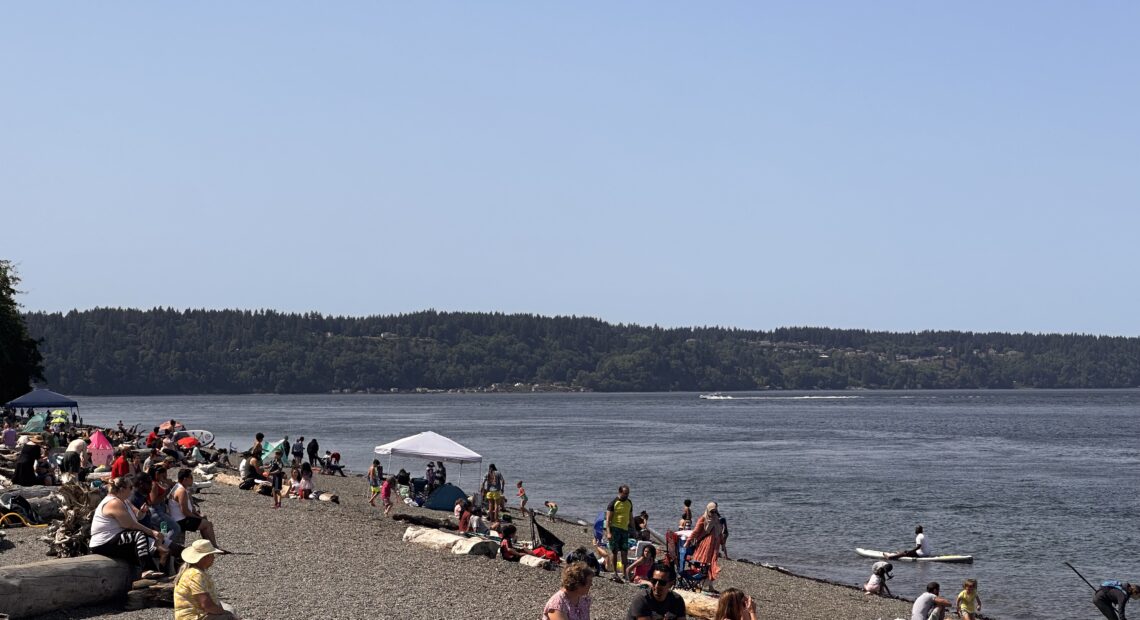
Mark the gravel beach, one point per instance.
(345, 561)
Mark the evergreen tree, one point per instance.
(20, 360)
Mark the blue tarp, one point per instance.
(42, 397)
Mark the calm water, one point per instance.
(1022, 480)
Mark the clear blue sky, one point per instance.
(883, 165)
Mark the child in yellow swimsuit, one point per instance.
(968, 603)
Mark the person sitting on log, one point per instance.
(184, 511)
(195, 595)
(116, 532)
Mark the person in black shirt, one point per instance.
(659, 602)
(1110, 600)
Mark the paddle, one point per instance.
(1080, 575)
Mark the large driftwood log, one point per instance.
(42, 587)
(48, 508)
(30, 492)
(439, 524)
(698, 604)
(451, 543)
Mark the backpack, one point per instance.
(1113, 583)
(11, 503)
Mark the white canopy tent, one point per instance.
(432, 446)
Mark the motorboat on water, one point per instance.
(716, 396)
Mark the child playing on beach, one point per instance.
(551, 509)
(276, 473)
(375, 477)
(877, 584)
(522, 497)
(386, 494)
(968, 603)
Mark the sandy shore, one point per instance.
(347, 561)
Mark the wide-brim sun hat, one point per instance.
(198, 550)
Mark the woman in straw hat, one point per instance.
(195, 596)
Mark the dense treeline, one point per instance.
(19, 356)
(165, 351)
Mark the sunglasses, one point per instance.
(661, 582)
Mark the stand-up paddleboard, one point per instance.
(882, 555)
(205, 438)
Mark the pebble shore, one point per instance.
(345, 561)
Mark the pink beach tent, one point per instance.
(100, 449)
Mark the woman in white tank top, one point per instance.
(117, 533)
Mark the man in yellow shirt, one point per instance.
(617, 527)
(195, 596)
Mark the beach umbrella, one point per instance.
(166, 426)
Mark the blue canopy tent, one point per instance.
(42, 398)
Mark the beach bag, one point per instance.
(246, 484)
(264, 489)
(12, 503)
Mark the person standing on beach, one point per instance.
(440, 474)
(312, 450)
(705, 542)
(386, 494)
(298, 451)
(968, 603)
(1112, 597)
(616, 527)
(375, 476)
(493, 485)
(522, 497)
(276, 473)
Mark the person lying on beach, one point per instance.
(571, 601)
(185, 512)
(638, 570)
(195, 595)
(877, 583)
(735, 605)
(659, 601)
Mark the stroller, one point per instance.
(690, 574)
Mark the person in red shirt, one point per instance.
(121, 466)
(152, 440)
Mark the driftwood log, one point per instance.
(698, 604)
(439, 524)
(451, 543)
(42, 587)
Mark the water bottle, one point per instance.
(165, 529)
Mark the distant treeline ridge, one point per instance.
(165, 351)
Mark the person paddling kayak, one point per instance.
(921, 547)
(1112, 596)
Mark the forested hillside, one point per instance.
(164, 351)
